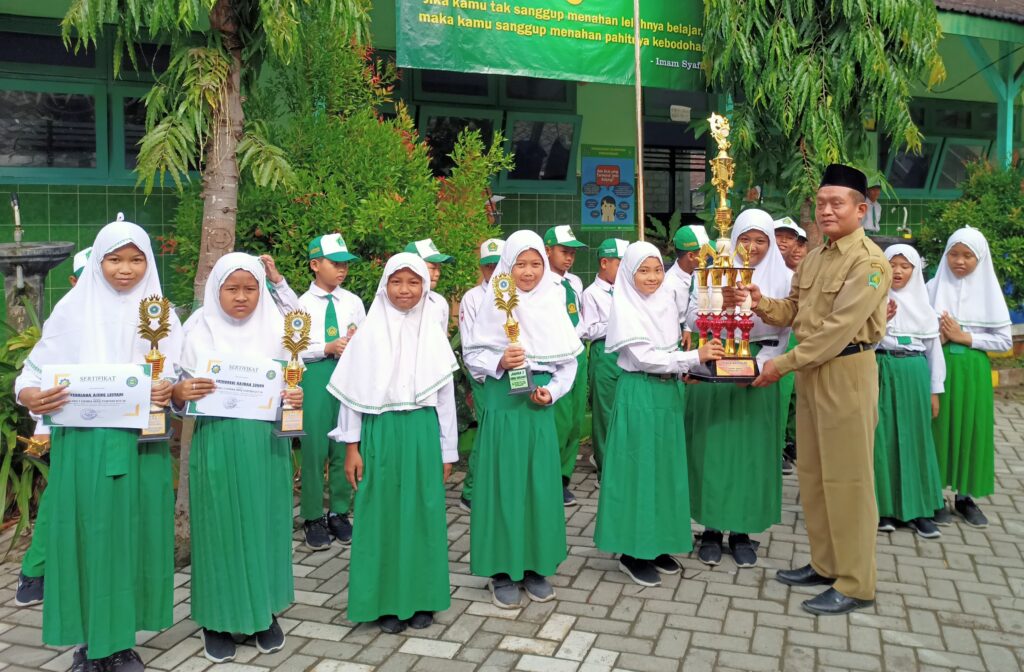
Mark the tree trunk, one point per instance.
(220, 207)
(814, 237)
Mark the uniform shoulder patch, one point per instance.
(875, 276)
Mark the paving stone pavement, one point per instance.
(953, 603)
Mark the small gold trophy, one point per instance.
(520, 380)
(155, 309)
(296, 339)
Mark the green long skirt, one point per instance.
(735, 440)
(33, 564)
(241, 516)
(787, 407)
(518, 519)
(604, 374)
(964, 431)
(907, 481)
(642, 509)
(109, 546)
(320, 415)
(467, 482)
(400, 546)
(569, 413)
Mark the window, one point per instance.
(545, 147)
(440, 128)
(465, 87)
(907, 170)
(43, 50)
(956, 154)
(532, 93)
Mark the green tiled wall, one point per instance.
(76, 213)
(918, 212)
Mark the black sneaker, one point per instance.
(30, 590)
(666, 564)
(465, 504)
(787, 466)
(568, 499)
(537, 587)
(970, 512)
(390, 624)
(943, 517)
(505, 592)
(340, 528)
(886, 524)
(316, 534)
(421, 619)
(122, 661)
(925, 528)
(710, 552)
(642, 572)
(270, 640)
(80, 661)
(743, 552)
(218, 647)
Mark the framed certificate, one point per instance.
(101, 395)
(246, 387)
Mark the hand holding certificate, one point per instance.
(100, 395)
(248, 388)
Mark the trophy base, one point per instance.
(726, 370)
(289, 423)
(159, 428)
(520, 381)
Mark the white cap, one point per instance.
(490, 250)
(701, 233)
(80, 261)
(788, 223)
(561, 235)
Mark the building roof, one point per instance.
(1005, 10)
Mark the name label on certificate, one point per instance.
(100, 395)
(248, 388)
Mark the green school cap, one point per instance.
(612, 248)
(427, 251)
(331, 246)
(561, 235)
(690, 238)
(490, 251)
(80, 261)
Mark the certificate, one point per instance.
(100, 395)
(248, 388)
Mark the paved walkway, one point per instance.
(953, 603)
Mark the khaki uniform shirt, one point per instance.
(838, 297)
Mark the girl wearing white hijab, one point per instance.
(973, 320)
(911, 372)
(110, 551)
(517, 521)
(240, 487)
(394, 382)
(643, 483)
(736, 433)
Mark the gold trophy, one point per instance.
(520, 380)
(296, 339)
(155, 309)
(713, 320)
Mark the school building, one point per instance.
(68, 129)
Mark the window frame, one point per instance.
(489, 100)
(509, 103)
(933, 187)
(424, 112)
(916, 192)
(19, 24)
(117, 169)
(567, 186)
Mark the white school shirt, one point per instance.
(284, 296)
(644, 357)
(468, 309)
(438, 307)
(681, 285)
(990, 339)
(872, 220)
(350, 424)
(597, 306)
(483, 363)
(932, 349)
(348, 307)
(577, 287)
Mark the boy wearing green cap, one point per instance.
(604, 368)
(679, 276)
(561, 245)
(335, 313)
(427, 251)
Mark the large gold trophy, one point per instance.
(520, 381)
(296, 339)
(155, 309)
(713, 320)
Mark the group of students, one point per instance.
(379, 397)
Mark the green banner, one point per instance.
(575, 40)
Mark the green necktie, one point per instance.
(330, 321)
(570, 303)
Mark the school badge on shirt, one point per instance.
(875, 277)
(332, 332)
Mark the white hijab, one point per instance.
(771, 274)
(639, 318)
(914, 314)
(213, 330)
(545, 331)
(96, 324)
(976, 300)
(397, 360)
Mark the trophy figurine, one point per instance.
(520, 380)
(155, 309)
(713, 319)
(296, 339)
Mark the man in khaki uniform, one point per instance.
(837, 307)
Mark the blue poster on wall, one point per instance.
(608, 186)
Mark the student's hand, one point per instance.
(273, 274)
(335, 347)
(753, 290)
(950, 330)
(447, 472)
(935, 406)
(541, 396)
(354, 466)
(685, 341)
(44, 402)
(769, 374)
(160, 394)
(191, 389)
(513, 358)
(711, 351)
(292, 397)
(890, 310)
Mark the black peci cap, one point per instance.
(838, 175)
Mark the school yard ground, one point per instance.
(952, 604)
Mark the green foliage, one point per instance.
(661, 235)
(993, 203)
(809, 77)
